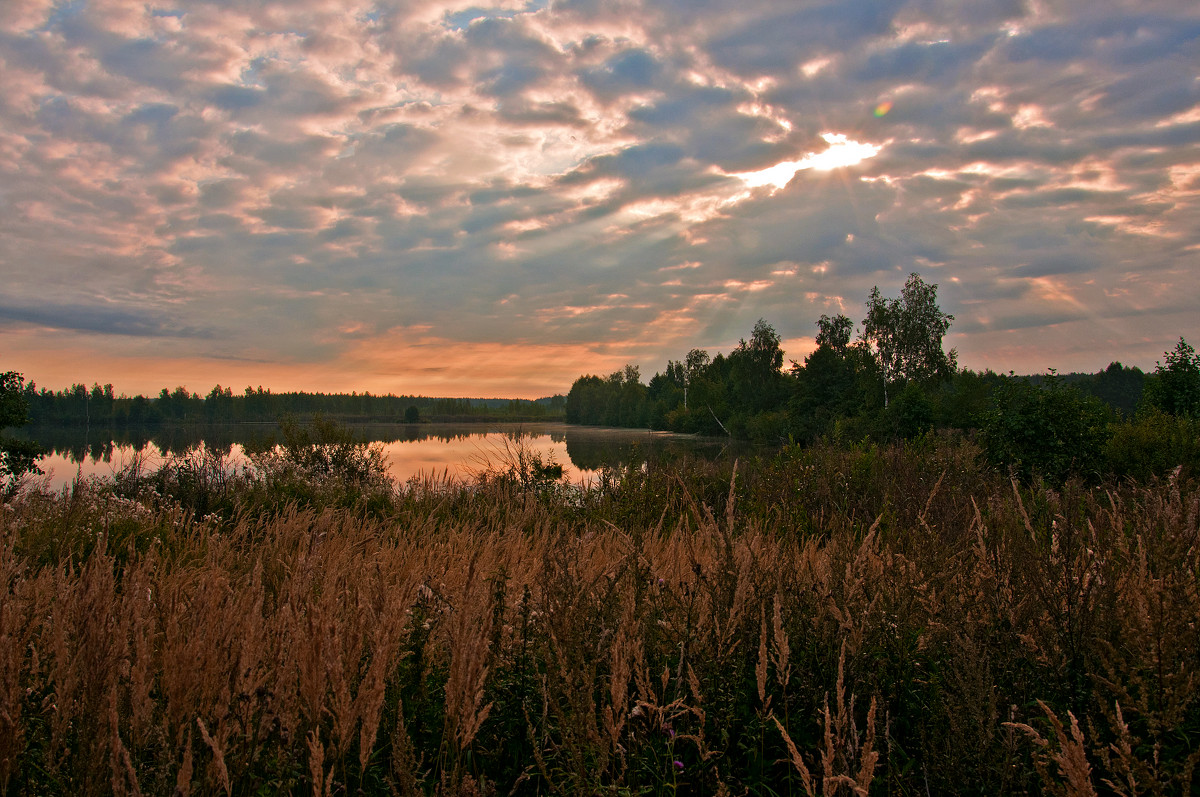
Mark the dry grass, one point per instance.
(879, 621)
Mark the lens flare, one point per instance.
(882, 108)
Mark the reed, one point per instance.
(877, 620)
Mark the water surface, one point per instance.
(411, 450)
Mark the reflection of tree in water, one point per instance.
(593, 452)
(453, 433)
(77, 446)
(99, 445)
(415, 433)
(589, 451)
(96, 451)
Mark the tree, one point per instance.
(17, 457)
(625, 402)
(834, 332)
(695, 362)
(911, 414)
(829, 385)
(755, 370)
(708, 397)
(763, 348)
(1118, 386)
(665, 393)
(907, 333)
(587, 401)
(826, 389)
(1175, 387)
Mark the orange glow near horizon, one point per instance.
(405, 363)
(398, 364)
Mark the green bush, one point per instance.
(1153, 444)
(326, 448)
(1053, 430)
(911, 413)
(767, 427)
(17, 457)
(322, 463)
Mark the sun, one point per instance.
(842, 152)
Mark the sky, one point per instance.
(443, 198)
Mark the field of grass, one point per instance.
(879, 620)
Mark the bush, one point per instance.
(1053, 431)
(513, 468)
(767, 427)
(322, 463)
(1154, 444)
(911, 413)
(17, 457)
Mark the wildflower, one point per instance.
(678, 764)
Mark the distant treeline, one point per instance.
(895, 381)
(98, 406)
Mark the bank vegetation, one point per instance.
(852, 619)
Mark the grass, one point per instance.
(876, 620)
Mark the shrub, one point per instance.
(767, 427)
(1154, 444)
(1052, 431)
(911, 413)
(322, 463)
(513, 467)
(17, 457)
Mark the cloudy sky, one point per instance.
(444, 198)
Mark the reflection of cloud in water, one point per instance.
(410, 450)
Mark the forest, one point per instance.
(98, 406)
(895, 381)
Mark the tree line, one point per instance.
(98, 406)
(895, 380)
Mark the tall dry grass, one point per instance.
(875, 621)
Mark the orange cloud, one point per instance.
(398, 363)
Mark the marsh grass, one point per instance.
(875, 620)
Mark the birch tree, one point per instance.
(905, 334)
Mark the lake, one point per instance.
(410, 449)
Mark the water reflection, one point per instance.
(411, 450)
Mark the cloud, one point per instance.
(629, 70)
(218, 181)
(107, 321)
